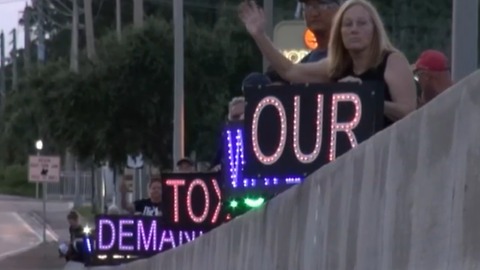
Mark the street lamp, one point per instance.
(39, 145)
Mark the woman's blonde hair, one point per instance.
(338, 57)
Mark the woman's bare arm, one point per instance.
(399, 79)
(253, 18)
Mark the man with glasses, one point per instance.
(318, 16)
(432, 73)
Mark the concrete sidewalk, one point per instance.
(43, 257)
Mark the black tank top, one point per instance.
(375, 74)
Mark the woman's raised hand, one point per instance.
(252, 17)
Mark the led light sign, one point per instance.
(138, 235)
(192, 201)
(293, 130)
(234, 162)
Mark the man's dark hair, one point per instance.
(73, 215)
(155, 179)
(184, 161)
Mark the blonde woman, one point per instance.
(359, 50)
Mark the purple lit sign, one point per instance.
(234, 162)
(137, 235)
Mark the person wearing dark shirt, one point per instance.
(151, 206)
(75, 253)
(318, 18)
(359, 49)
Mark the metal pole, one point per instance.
(37, 185)
(41, 35)
(268, 8)
(141, 189)
(118, 17)
(2, 70)
(178, 114)
(74, 39)
(464, 38)
(77, 202)
(44, 187)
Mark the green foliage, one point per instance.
(123, 103)
(13, 180)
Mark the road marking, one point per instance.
(20, 250)
(50, 231)
(26, 225)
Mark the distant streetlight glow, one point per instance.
(39, 145)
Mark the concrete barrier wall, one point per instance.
(409, 198)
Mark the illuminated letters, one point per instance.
(335, 127)
(275, 102)
(143, 242)
(175, 183)
(307, 158)
(344, 127)
(193, 216)
(184, 201)
(138, 235)
(124, 234)
(101, 229)
(166, 239)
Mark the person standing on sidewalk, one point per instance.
(151, 206)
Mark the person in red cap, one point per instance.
(433, 74)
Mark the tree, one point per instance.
(122, 104)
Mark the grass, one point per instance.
(20, 190)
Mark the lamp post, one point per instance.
(39, 147)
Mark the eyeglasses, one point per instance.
(319, 5)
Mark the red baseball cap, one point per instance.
(432, 60)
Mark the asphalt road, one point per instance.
(16, 235)
(21, 227)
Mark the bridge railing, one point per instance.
(407, 198)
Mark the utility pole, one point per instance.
(268, 8)
(72, 164)
(89, 31)
(178, 91)
(2, 70)
(40, 60)
(74, 39)
(138, 13)
(13, 55)
(464, 38)
(118, 16)
(40, 33)
(27, 40)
